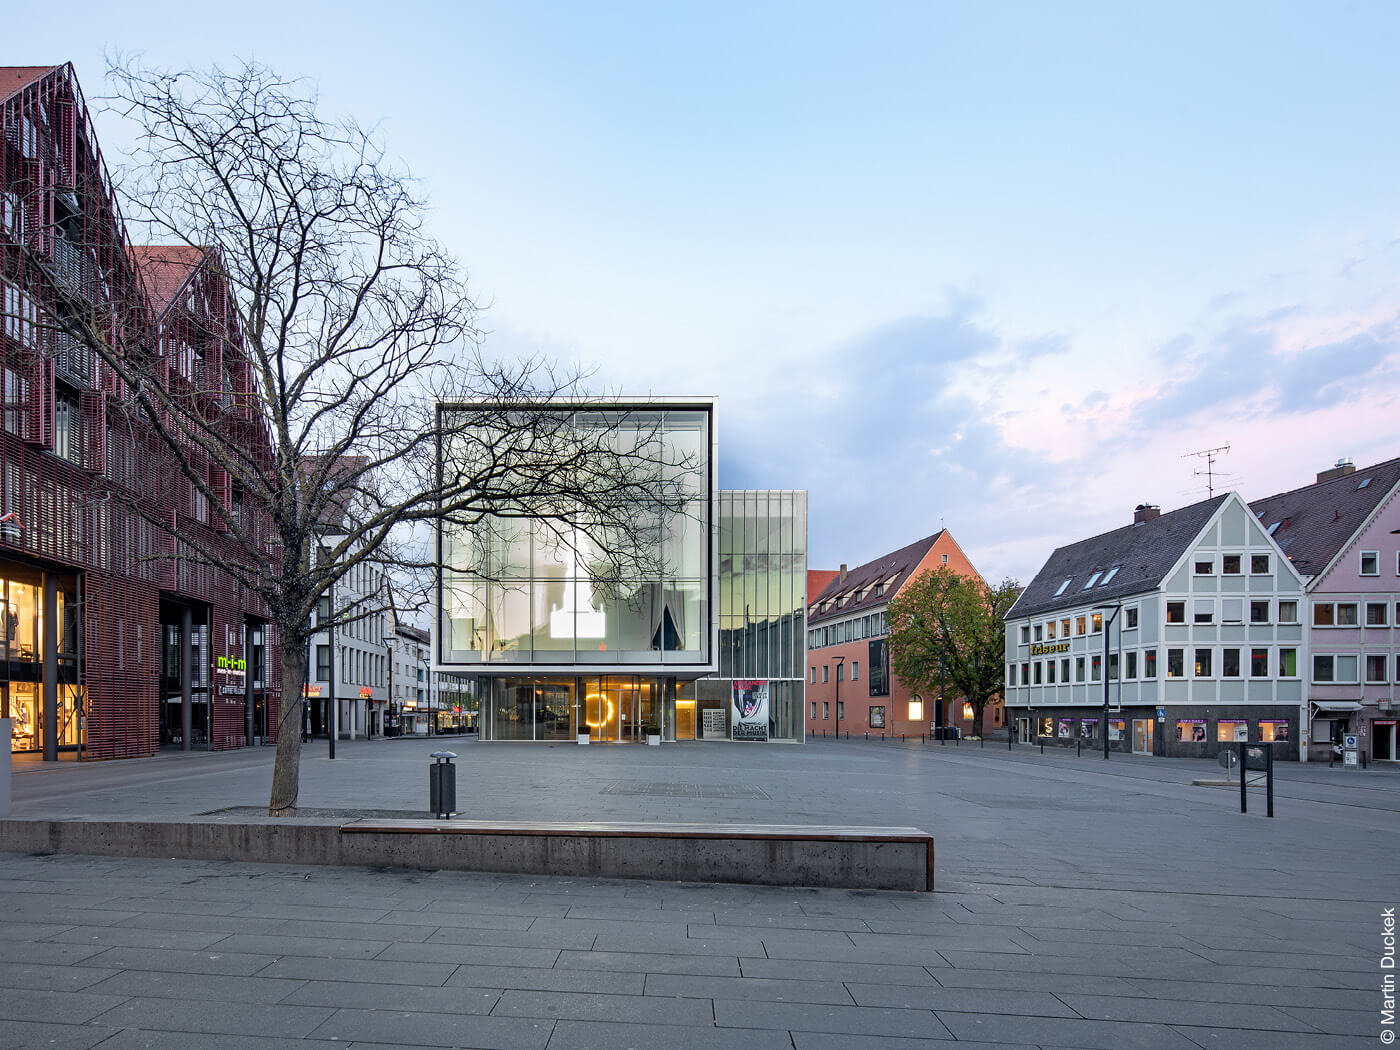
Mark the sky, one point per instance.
(999, 268)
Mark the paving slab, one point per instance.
(1080, 905)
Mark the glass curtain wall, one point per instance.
(762, 608)
(537, 591)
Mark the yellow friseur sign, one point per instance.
(1039, 649)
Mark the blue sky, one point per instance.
(989, 266)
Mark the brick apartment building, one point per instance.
(848, 662)
(118, 640)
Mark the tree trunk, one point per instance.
(286, 769)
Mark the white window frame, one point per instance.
(1200, 605)
(1064, 586)
(1197, 561)
(1385, 614)
(1268, 564)
(1232, 554)
(1361, 563)
(1279, 609)
(1134, 612)
(1336, 678)
(1385, 671)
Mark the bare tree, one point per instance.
(299, 407)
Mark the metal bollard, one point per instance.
(442, 785)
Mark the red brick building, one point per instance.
(848, 663)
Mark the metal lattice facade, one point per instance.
(91, 496)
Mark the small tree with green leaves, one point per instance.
(947, 628)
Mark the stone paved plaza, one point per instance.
(1079, 904)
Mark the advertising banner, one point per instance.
(750, 710)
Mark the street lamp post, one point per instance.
(1107, 628)
(840, 660)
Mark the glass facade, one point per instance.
(517, 590)
(762, 610)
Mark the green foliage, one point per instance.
(946, 625)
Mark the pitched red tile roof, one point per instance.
(14, 79)
(817, 579)
(890, 568)
(165, 268)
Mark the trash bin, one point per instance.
(442, 785)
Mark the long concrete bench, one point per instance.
(774, 854)
(766, 854)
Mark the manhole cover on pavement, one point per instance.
(667, 789)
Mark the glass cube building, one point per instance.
(700, 635)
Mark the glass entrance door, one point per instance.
(603, 706)
(1142, 736)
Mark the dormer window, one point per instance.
(879, 590)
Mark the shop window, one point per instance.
(1130, 666)
(1229, 663)
(1259, 564)
(877, 717)
(1287, 612)
(1258, 612)
(1259, 663)
(1130, 618)
(1370, 563)
(1088, 728)
(1375, 667)
(1203, 663)
(1191, 730)
(916, 710)
(1205, 566)
(1230, 565)
(1176, 612)
(1288, 663)
(1375, 614)
(1229, 730)
(1176, 663)
(1044, 727)
(1273, 729)
(1149, 663)
(1065, 729)
(1116, 726)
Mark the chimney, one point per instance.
(843, 572)
(1146, 512)
(1344, 467)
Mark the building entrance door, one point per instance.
(1023, 729)
(1142, 736)
(618, 708)
(1383, 741)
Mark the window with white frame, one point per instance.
(1287, 611)
(1025, 634)
(1203, 663)
(1232, 610)
(1230, 565)
(1039, 633)
(1130, 618)
(1098, 623)
(1376, 614)
(1229, 663)
(1205, 566)
(1375, 667)
(855, 670)
(1288, 663)
(1204, 610)
(1370, 563)
(1063, 587)
(1092, 580)
(1330, 667)
(1259, 612)
(11, 215)
(1176, 663)
(1176, 612)
(1259, 564)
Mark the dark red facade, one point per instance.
(94, 512)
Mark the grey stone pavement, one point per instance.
(1080, 903)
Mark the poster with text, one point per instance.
(750, 710)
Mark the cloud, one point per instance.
(1245, 365)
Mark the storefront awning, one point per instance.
(1336, 707)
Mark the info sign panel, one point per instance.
(750, 710)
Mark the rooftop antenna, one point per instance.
(1210, 455)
